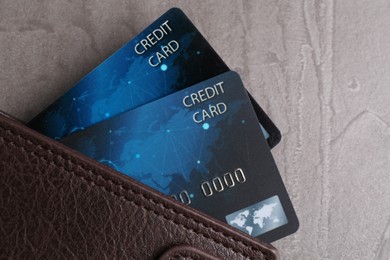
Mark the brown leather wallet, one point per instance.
(57, 203)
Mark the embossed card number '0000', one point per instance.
(219, 183)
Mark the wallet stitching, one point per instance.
(156, 213)
(183, 255)
(124, 188)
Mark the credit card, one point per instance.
(168, 55)
(203, 146)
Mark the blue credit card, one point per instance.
(200, 145)
(167, 56)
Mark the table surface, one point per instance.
(320, 69)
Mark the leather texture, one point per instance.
(186, 252)
(58, 204)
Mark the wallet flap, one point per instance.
(57, 203)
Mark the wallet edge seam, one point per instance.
(127, 189)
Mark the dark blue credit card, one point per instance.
(167, 56)
(203, 146)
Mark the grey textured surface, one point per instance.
(320, 69)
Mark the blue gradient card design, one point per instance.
(167, 56)
(201, 145)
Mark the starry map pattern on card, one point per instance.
(173, 147)
(159, 143)
(126, 80)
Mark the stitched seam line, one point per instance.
(182, 255)
(156, 213)
(124, 188)
(54, 163)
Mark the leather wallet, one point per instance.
(57, 203)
